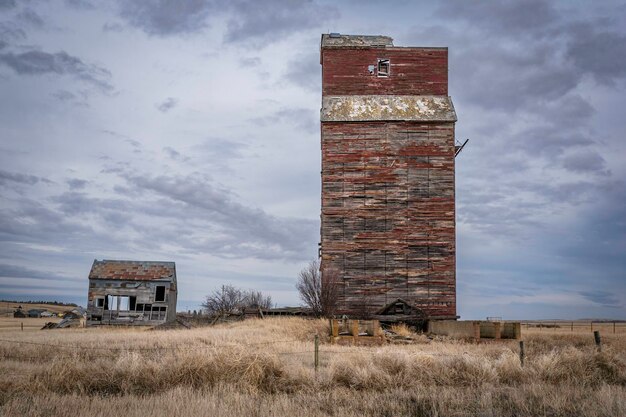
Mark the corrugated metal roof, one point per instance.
(384, 107)
(133, 270)
(338, 40)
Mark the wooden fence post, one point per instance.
(317, 352)
(613, 327)
(521, 352)
(596, 336)
(572, 326)
(22, 325)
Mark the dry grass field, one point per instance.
(265, 368)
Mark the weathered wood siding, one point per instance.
(388, 214)
(413, 71)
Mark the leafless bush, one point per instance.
(319, 289)
(232, 300)
(255, 299)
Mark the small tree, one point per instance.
(232, 300)
(226, 300)
(319, 289)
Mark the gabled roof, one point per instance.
(399, 306)
(133, 270)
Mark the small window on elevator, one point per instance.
(160, 293)
(383, 68)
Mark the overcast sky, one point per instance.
(188, 131)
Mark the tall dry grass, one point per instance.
(265, 367)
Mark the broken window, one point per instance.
(122, 302)
(117, 302)
(383, 68)
(99, 302)
(160, 293)
(132, 302)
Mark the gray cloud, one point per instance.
(30, 18)
(80, 4)
(238, 230)
(305, 119)
(249, 21)
(530, 17)
(605, 298)
(167, 17)
(269, 21)
(10, 32)
(171, 152)
(587, 161)
(112, 27)
(598, 52)
(220, 150)
(167, 105)
(7, 4)
(76, 183)
(6, 177)
(79, 99)
(305, 71)
(39, 62)
(250, 62)
(15, 271)
(64, 95)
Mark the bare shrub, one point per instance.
(226, 300)
(402, 329)
(232, 300)
(255, 299)
(319, 289)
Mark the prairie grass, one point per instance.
(402, 330)
(265, 367)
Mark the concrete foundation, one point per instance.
(475, 329)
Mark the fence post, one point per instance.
(613, 327)
(22, 325)
(591, 324)
(596, 336)
(317, 352)
(572, 326)
(521, 352)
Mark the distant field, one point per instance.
(8, 308)
(266, 368)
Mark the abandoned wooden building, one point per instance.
(131, 292)
(388, 176)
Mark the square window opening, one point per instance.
(383, 68)
(160, 293)
(99, 302)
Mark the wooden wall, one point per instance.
(388, 214)
(414, 71)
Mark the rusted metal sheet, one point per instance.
(388, 196)
(378, 107)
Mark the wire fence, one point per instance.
(575, 326)
(56, 351)
(67, 351)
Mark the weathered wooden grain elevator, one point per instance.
(388, 185)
